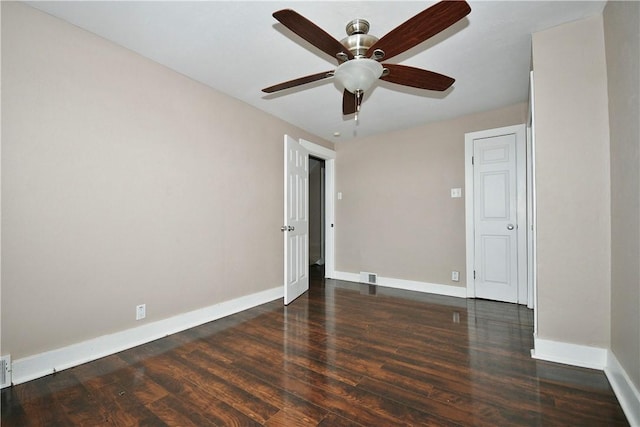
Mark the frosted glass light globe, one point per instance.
(358, 74)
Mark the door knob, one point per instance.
(510, 227)
(283, 228)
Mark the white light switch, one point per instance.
(339, 195)
(456, 192)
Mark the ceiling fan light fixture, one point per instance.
(358, 74)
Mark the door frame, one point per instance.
(521, 210)
(329, 157)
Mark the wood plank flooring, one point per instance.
(343, 354)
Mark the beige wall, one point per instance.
(572, 183)
(125, 183)
(622, 41)
(397, 217)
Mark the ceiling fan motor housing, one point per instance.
(358, 41)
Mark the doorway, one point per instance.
(316, 216)
(327, 156)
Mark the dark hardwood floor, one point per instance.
(343, 354)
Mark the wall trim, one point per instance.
(39, 365)
(627, 393)
(408, 285)
(318, 150)
(569, 354)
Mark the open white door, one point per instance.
(296, 219)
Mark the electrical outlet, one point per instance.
(141, 311)
(455, 276)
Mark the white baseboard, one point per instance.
(347, 277)
(569, 354)
(627, 393)
(408, 285)
(39, 365)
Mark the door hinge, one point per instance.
(472, 160)
(474, 275)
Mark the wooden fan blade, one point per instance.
(348, 103)
(416, 77)
(311, 32)
(422, 26)
(298, 82)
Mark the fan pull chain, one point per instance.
(358, 103)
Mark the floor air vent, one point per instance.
(5, 371)
(370, 278)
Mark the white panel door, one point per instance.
(296, 219)
(495, 210)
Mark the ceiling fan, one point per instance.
(359, 54)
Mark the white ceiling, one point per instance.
(238, 48)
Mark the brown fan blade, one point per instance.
(422, 26)
(298, 82)
(348, 103)
(311, 32)
(416, 77)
